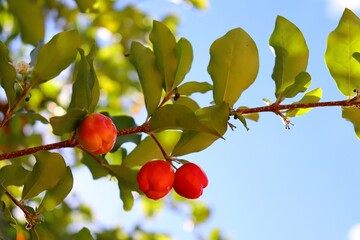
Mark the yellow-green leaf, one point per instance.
(342, 43)
(291, 56)
(48, 170)
(233, 66)
(310, 97)
(7, 74)
(185, 58)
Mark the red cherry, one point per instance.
(156, 179)
(190, 180)
(97, 133)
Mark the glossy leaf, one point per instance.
(48, 170)
(147, 150)
(68, 122)
(14, 174)
(215, 117)
(188, 102)
(310, 97)
(352, 114)
(56, 55)
(177, 117)
(7, 75)
(342, 43)
(57, 194)
(30, 19)
(165, 50)
(291, 57)
(150, 77)
(185, 58)
(233, 66)
(189, 88)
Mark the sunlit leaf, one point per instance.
(233, 66)
(30, 18)
(56, 55)
(165, 49)
(291, 56)
(147, 150)
(151, 207)
(189, 88)
(200, 212)
(93, 81)
(309, 97)
(85, 5)
(7, 74)
(242, 119)
(83, 234)
(342, 43)
(68, 122)
(352, 114)
(301, 84)
(57, 194)
(188, 102)
(177, 117)
(150, 77)
(215, 117)
(14, 174)
(48, 170)
(252, 116)
(185, 58)
(201, 4)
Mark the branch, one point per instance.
(278, 107)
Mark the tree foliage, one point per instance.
(75, 73)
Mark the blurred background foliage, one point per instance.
(111, 27)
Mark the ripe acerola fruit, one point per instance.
(97, 133)
(156, 179)
(190, 180)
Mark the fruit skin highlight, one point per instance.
(190, 180)
(97, 133)
(156, 179)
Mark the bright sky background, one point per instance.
(267, 183)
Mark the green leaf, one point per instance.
(242, 120)
(352, 114)
(201, 4)
(189, 88)
(97, 171)
(214, 117)
(93, 81)
(177, 117)
(233, 66)
(30, 18)
(7, 75)
(126, 197)
(48, 170)
(57, 194)
(252, 116)
(150, 77)
(301, 84)
(83, 234)
(342, 43)
(147, 150)
(14, 174)
(200, 212)
(35, 53)
(56, 55)
(165, 50)
(68, 122)
(81, 93)
(185, 58)
(313, 96)
(291, 56)
(125, 122)
(188, 102)
(356, 55)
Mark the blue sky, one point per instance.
(266, 183)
